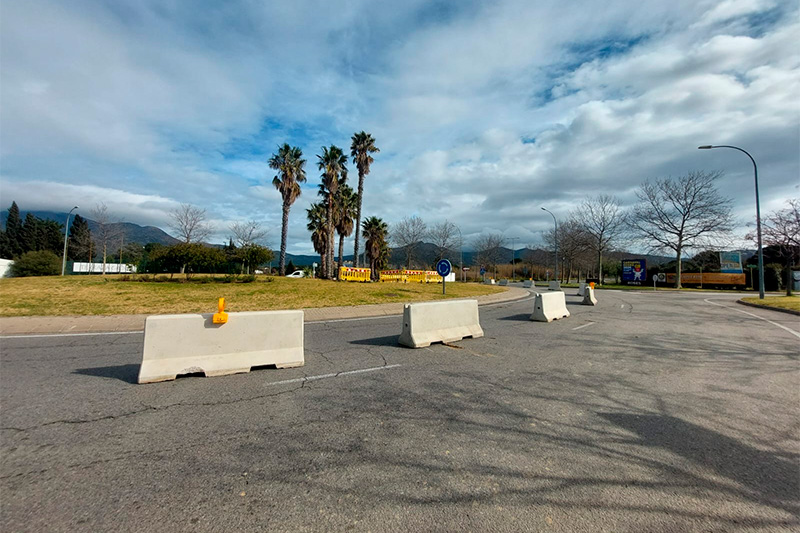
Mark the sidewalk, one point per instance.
(48, 325)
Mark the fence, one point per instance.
(413, 276)
(709, 278)
(354, 274)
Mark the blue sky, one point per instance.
(484, 111)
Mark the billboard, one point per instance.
(634, 271)
(730, 262)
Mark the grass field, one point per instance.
(782, 302)
(107, 295)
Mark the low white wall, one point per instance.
(97, 268)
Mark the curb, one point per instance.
(769, 307)
(91, 324)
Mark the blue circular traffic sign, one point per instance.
(443, 267)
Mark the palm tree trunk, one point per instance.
(329, 237)
(284, 236)
(358, 217)
(341, 252)
(331, 254)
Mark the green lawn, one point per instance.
(782, 302)
(109, 295)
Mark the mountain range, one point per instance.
(129, 231)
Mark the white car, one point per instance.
(296, 274)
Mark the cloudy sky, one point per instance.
(483, 111)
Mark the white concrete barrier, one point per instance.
(581, 289)
(554, 286)
(427, 322)
(588, 297)
(185, 344)
(488, 281)
(549, 306)
(503, 282)
(528, 284)
(5, 267)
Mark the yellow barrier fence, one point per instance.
(354, 274)
(414, 276)
(393, 275)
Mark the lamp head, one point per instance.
(705, 147)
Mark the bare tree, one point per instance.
(248, 233)
(445, 237)
(189, 223)
(488, 250)
(781, 229)
(572, 246)
(603, 223)
(407, 234)
(106, 229)
(677, 214)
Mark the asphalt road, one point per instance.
(650, 412)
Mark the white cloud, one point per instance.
(483, 111)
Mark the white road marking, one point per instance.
(335, 374)
(793, 332)
(583, 326)
(71, 334)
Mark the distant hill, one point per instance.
(132, 232)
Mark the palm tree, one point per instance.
(376, 233)
(363, 144)
(344, 210)
(333, 164)
(290, 165)
(317, 225)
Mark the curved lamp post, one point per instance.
(555, 239)
(513, 258)
(66, 238)
(758, 214)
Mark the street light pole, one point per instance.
(66, 238)
(758, 214)
(513, 258)
(555, 238)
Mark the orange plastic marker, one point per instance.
(220, 317)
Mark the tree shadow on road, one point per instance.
(773, 480)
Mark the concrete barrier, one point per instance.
(503, 282)
(185, 344)
(488, 281)
(528, 284)
(549, 306)
(554, 286)
(427, 322)
(581, 289)
(588, 297)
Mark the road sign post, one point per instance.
(443, 267)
